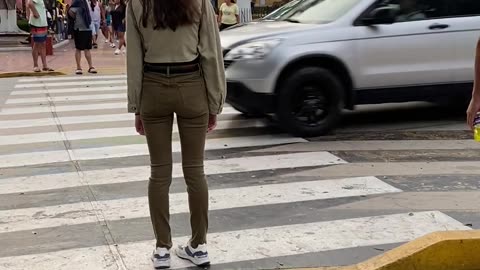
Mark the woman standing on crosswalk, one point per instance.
(175, 66)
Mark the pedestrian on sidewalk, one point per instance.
(97, 15)
(229, 14)
(118, 24)
(108, 16)
(82, 34)
(474, 107)
(175, 66)
(37, 14)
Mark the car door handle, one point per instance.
(438, 26)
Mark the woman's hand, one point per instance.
(472, 110)
(212, 123)
(139, 125)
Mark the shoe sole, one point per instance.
(189, 259)
(161, 267)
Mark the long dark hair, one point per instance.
(169, 13)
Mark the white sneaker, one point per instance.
(198, 256)
(124, 51)
(112, 45)
(161, 258)
(106, 40)
(117, 51)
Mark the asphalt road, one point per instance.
(73, 177)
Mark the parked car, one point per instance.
(312, 61)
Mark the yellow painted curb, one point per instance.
(453, 250)
(30, 74)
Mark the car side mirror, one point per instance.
(382, 15)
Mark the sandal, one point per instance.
(92, 70)
(78, 72)
(36, 69)
(47, 69)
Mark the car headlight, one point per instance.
(252, 51)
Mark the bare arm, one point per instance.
(476, 85)
(31, 7)
(237, 13)
(474, 106)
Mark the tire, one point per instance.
(246, 113)
(310, 102)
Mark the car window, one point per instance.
(317, 11)
(322, 11)
(281, 11)
(459, 8)
(416, 10)
(413, 10)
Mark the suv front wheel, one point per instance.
(310, 102)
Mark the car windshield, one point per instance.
(281, 11)
(314, 11)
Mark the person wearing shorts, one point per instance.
(97, 19)
(108, 16)
(82, 34)
(39, 31)
(118, 24)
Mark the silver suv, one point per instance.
(311, 59)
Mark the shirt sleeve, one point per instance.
(211, 60)
(237, 10)
(135, 56)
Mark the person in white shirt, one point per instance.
(229, 14)
(96, 13)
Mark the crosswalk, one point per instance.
(93, 214)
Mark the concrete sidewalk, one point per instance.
(20, 63)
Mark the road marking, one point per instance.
(255, 244)
(72, 78)
(69, 120)
(141, 173)
(45, 157)
(114, 132)
(68, 90)
(220, 199)
(66, 98)
(18, 110)
(62, 108)
(59, 84)
(262, 243)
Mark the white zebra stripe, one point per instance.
(62, 108)
(140, 173)
(113, 132)
(62, 84)
(69, 120)
(72, 78)
(66, 98)
(220, 199)
(254, 244)
(68, 90)
(45, 157)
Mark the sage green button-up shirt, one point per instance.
(200, 39)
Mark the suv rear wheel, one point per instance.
(310, 102)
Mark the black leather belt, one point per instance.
(173, 69)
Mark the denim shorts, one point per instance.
(95, 26)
